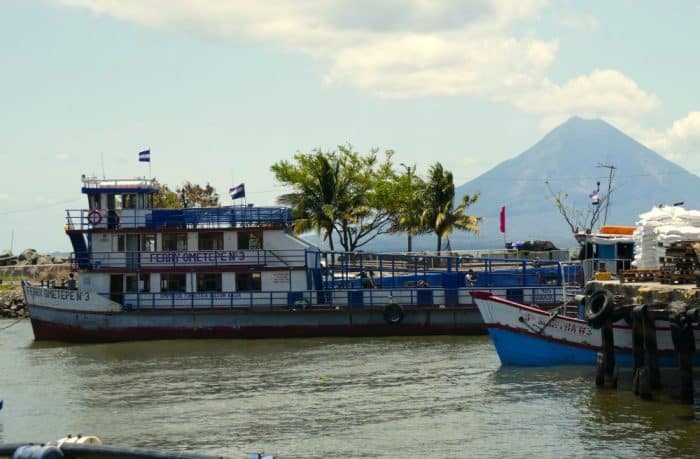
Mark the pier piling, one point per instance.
(642, 304)
(684, 343)
(608, 360)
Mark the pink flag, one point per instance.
(503, 219)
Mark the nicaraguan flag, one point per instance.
(237, 191)
(145, 156)
(595, 195)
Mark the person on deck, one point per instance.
(71, 282)
(470, 278)
(367, 280)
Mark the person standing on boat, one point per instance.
(470, 278)
(71, 281)
(368, 280)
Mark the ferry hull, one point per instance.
(78, 326)
(529, 336)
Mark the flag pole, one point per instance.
(149, 163)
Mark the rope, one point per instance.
(552, 316)
(13, 323)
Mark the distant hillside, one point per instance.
(568, 156)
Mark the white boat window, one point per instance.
(121, 243)
(148, 242)
(94, 201)
(129, 201)
(250, 240)
(208, 282)
(211, 241)
(173, 282)
(147, 201)
(174, 241)
(248, 281)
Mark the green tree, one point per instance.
(165, 198)
(440, 214)
(315, 178)
(188, 195)
(406, 204)
(196, 195)
(336, 194)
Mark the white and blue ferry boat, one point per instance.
(241, 272)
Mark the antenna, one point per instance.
(102, 159)
(610, 178)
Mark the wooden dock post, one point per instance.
(640, 380)
(652, 351)
(684, 343)
(638, 336)
(608, 361)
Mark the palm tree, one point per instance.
(440, 213)
(319, 192)
(408, 204)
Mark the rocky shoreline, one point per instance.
(31, 265)
(12, 303)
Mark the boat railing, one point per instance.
(611, 265)
(137, 260)
(308, 300)
(189, 218)
(347, 270)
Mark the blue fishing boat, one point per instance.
(527, 335)
(241, 272)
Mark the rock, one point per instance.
(44, 260)
(28, 255)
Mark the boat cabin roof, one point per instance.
(93, 185)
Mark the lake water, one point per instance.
(438, 397)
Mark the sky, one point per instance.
(220, 90)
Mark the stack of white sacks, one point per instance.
(659, 228)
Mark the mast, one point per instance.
(610, 178)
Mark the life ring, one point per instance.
(393, 313)
(599, 306)
(94, 217)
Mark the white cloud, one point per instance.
(62, 156)
(402, 49)
(680, 142)
(389, 48)
(600, 94)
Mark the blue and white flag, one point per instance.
(595, 195)
(145, 156)
(237, 191)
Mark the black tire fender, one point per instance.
(599, 306)
(393, 313)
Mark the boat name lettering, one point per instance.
(565, 326)
(59, 294)
(196, 257)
